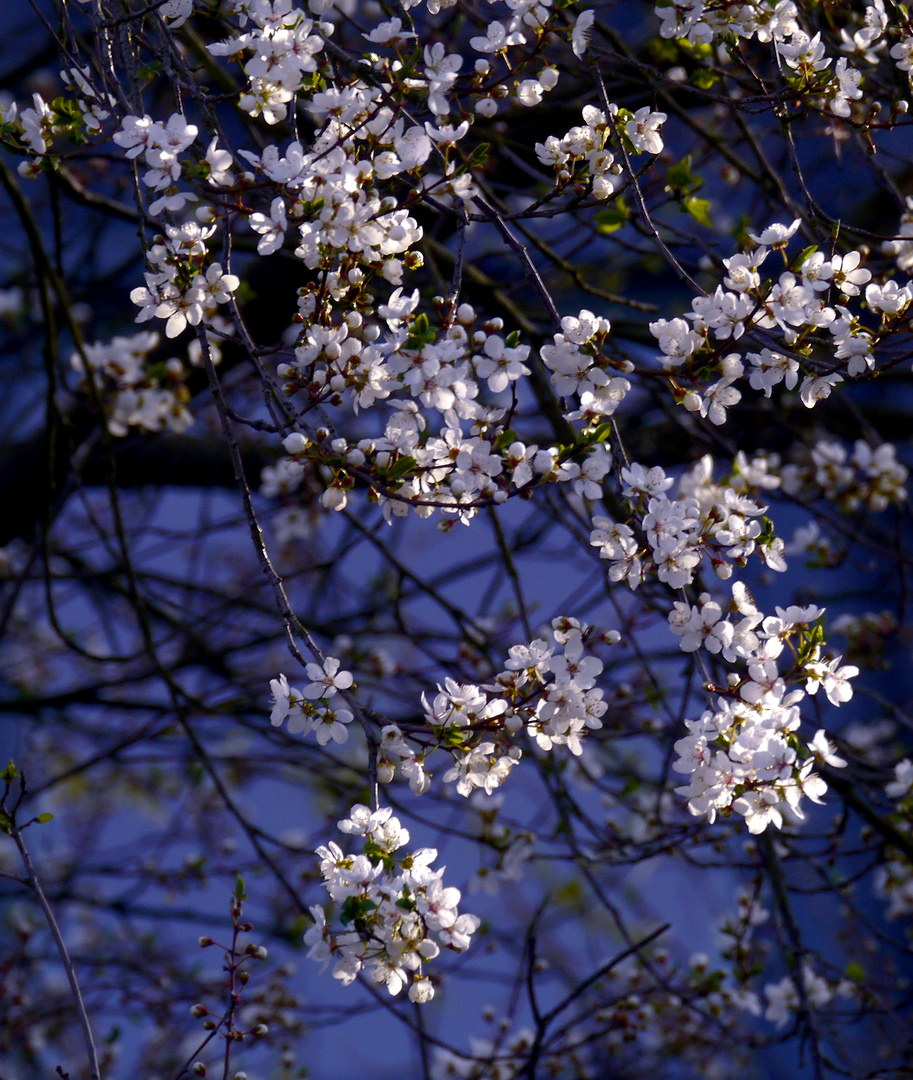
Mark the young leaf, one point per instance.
(699, 209)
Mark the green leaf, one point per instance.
(505, 439)
(712, 982)
(631, 785)
(804, 254)
(699, 209)
(244, 294)
(43, 819)
(680, 178)
(570, 894)
(401, 468)
(420, 332)
(704, 79)
(653, 696)
(375, 853)
(767, 531)
(663, 52)
(612, 217)
(356, 909)
(740, 232)
(239, 893)
(66, 110)
(197, 170)
(10, 772)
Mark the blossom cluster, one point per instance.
(784, 1001)
(792, 310)
(547, 690)
(313, 709)
(134, 393)
(395, 912)
(161, 147)
(894, 880)
(802, 57)
(579, 365)
(868, 479)
(725, 520)
(284, 46)
(415, 465)
(867, 635)
(668, 537)
(901, 247)
(583, 151)
(745, 754)
(135, 388)
(637, 1018)
(178, 289)
(32, 130)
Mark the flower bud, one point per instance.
(295, 443)
(421, 991)
(334, 498)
